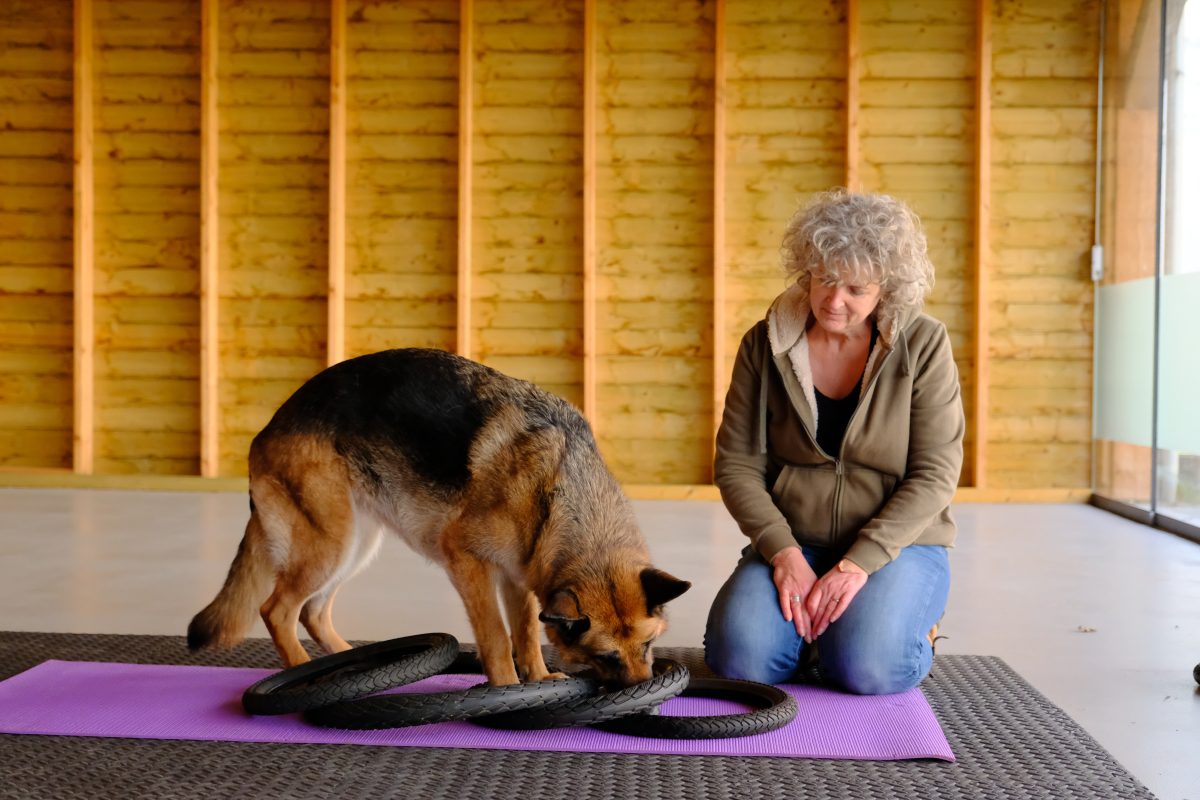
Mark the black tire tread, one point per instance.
(403, 710)
(670, 680)
(331, 679)
(776, 708)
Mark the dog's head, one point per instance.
(610, 622)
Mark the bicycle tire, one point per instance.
(669, 680)
(354, 673)
(405, 710)
(774, 709)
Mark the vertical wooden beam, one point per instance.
(466, 125)
(853, 77)
(84, 235)
(719, 375)
(336, 302)
(589, 212)
(209, 290)
(983, 213)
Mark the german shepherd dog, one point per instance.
(488, 476)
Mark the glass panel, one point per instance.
(1124, 338)
(1179, 342)
(1125, 371)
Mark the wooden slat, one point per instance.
(28, 478)
(983, 187)
(853, 76)
(25, 477)
(466, 80)
(719, 187)
(961, 495)
(209, 243)
(84, 244)
(336, 342)
(589, 212)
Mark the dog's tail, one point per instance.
(225, 621)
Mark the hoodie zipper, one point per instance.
(837, 499)
(838, 463)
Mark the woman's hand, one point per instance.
(794, 579)
(832, 595)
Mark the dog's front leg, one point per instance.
(473, 580)
(522, 607)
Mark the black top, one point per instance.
(834, 415)
(832, 418)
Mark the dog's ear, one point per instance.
(661, 587)
(563, 612)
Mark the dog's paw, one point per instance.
(502, 682)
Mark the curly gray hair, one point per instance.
(857, 239)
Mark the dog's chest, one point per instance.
(415, 525)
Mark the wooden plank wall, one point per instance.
(654, 315)
(36, 287)
(527, 282)
(402, 177)
(147, 236)
(1044, 64)
(594, 278)
(274, 99)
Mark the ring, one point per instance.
(795, 598)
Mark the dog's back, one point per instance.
(422, 432)
(424, 408)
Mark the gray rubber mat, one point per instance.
(1011, 743)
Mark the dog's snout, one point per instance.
(635, 674)
(624, 674)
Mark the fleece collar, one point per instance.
(787, 323)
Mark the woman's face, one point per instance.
(842, 309)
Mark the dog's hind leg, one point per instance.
(317, 618)
(281, 614)
(304, 583)
(521, 606)
(312, 525)
(317, 614)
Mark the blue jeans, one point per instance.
(878, 646)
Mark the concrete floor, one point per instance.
(1100, 614)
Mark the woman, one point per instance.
(838, 456)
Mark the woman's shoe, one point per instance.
(933, 637)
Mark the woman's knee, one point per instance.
(870, 681)
(747, 656)
(876, 671)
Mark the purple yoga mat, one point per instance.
(83, 698)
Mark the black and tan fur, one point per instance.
(490, 477)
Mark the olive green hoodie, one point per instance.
(891, 484)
